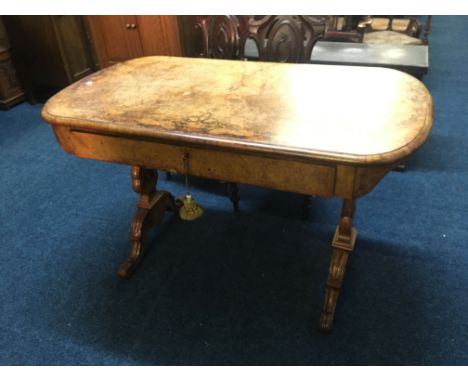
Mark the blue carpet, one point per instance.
(244, 288)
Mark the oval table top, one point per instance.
(347, 114)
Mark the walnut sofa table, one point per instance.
(276, 125)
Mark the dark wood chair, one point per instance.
(406, 30)
(276, 38)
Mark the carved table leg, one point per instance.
(342, 244)
(151, 208)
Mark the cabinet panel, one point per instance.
(10, 89)
(49, 52)
(74, 46)
(119, 38)
(159, 35)
(11, 92)
(114, 40)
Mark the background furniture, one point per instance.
(275, 38)
(411, 59)
(407, 30)
(11, 92)
(49, 52)
(120, 38)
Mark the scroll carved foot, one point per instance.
(151, 208)
(335, 279)
(343, 244)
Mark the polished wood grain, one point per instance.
(274, 125)
(252, 107)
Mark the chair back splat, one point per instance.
(276, 38)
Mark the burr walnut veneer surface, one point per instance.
(301, 109)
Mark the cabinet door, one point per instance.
(159, 35)
(115, 38)
(73, 44)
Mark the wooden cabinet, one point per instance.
(49, 52)
(119, 38)
(10, 90)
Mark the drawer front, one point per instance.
(285, 175)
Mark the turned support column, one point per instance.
(150, 211)
(342, 244)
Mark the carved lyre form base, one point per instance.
(151, 208)
(342, 244)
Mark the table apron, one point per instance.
(293, 175)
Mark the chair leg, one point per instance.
(232, 190)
